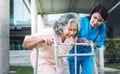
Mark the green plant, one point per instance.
(21, 70)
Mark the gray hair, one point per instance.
(63, 21)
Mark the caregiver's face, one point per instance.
(96, 19)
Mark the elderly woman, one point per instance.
(64, 30)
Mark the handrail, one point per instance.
(116, 5)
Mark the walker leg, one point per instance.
(95, 66)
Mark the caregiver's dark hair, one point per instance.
(101, 10)
(63, 21)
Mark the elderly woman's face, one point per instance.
(70, 30)
(96, 19)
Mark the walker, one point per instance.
(75, 54)
(66, 55)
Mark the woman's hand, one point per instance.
(48, 40)
(81, 40)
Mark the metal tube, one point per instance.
(75, 60)
(36, 60)
(85, 44)
(94, 63)
(56, 56)
(116, 5)
(68, 55)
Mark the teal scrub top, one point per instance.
(96, 34)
